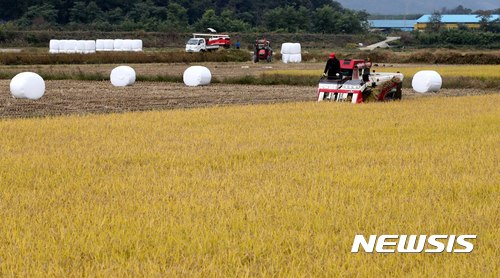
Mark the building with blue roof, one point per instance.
(390, 24)
(453, 21)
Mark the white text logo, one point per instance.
(413, 244)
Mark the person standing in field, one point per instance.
(332, 67)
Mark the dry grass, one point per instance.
(34, 58)
(250, 190)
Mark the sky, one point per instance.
(414, 6)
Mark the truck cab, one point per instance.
(195, 45)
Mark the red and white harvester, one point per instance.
(357, 84)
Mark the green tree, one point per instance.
(39, 15)
(484, 20)
(231, 23)
(288, 19)
(177, 16)
(435, 21)
(210, 20)
(85, 13)
(350, 22)
(325, 19)
(115, 16)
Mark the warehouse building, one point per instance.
(453, 21)
(392, 25)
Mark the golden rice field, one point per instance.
(257, 190)
(481, 71)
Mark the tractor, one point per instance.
(355, 83)
(262, 51)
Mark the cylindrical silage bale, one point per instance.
(99, 45)
(137, 45)
(54, 46)
(71, 46)
(109, 45)
(80, 46)
(27, 85)
(285, 58)
(118, 45)
(426, 81)
(286, 48)
(127, 45)
(197, 76)
(122, 76)
(295, 48)
(90, 46)
(62, 46)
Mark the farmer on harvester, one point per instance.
(332, 68)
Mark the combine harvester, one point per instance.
(357, 84)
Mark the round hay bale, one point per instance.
(27, 85)
(197, 76)
(122, 76)
(426, 81)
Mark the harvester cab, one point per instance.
(262, 51)
(355, 83)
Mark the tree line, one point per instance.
(315, 16)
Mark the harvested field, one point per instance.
(83, 97)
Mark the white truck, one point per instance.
(207, 42)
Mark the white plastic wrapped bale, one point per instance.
(80, 46)
(286, 48)
(137, 45)
(426, 81)
(295, 48)
(90, 46)
(122, 76)
(291, 52)
(127, 45)
(109, 45)
(285, 58)
(62, 46)
(197, 76)
(71, 46)
(54, 46)
(99, 45)
(27, 85)
(295, 58)
(118, 45)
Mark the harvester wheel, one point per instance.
(255, 58)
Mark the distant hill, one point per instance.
(414, 7)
